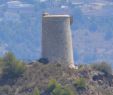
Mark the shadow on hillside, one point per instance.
(8, 80)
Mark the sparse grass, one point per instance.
(103, 67)
(57, 78)
(80, 83)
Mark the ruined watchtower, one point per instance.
(57, 39)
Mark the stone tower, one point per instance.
(57, 39)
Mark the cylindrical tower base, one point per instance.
(57, 39)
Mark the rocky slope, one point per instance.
(94, 82)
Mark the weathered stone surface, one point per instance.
(57, 39)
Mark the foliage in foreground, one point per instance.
(56, 88)
(11, 67)
(36, 91)
(80, 83)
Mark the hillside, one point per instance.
(85, 81)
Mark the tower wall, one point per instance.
(57, 39)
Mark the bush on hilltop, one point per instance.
(11, 67)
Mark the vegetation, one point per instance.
(103, 67)
(36, 91)
(11, 67)
(56, 89)
(62, 91)
(52, 79)
(80, 83)
(52, 85)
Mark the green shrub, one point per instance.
(80, 83)
(103, 67)
(62, 91)
(11, 67)
(52, 85)
(36, 91)
(56, 89)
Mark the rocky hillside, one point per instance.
(96, 79)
